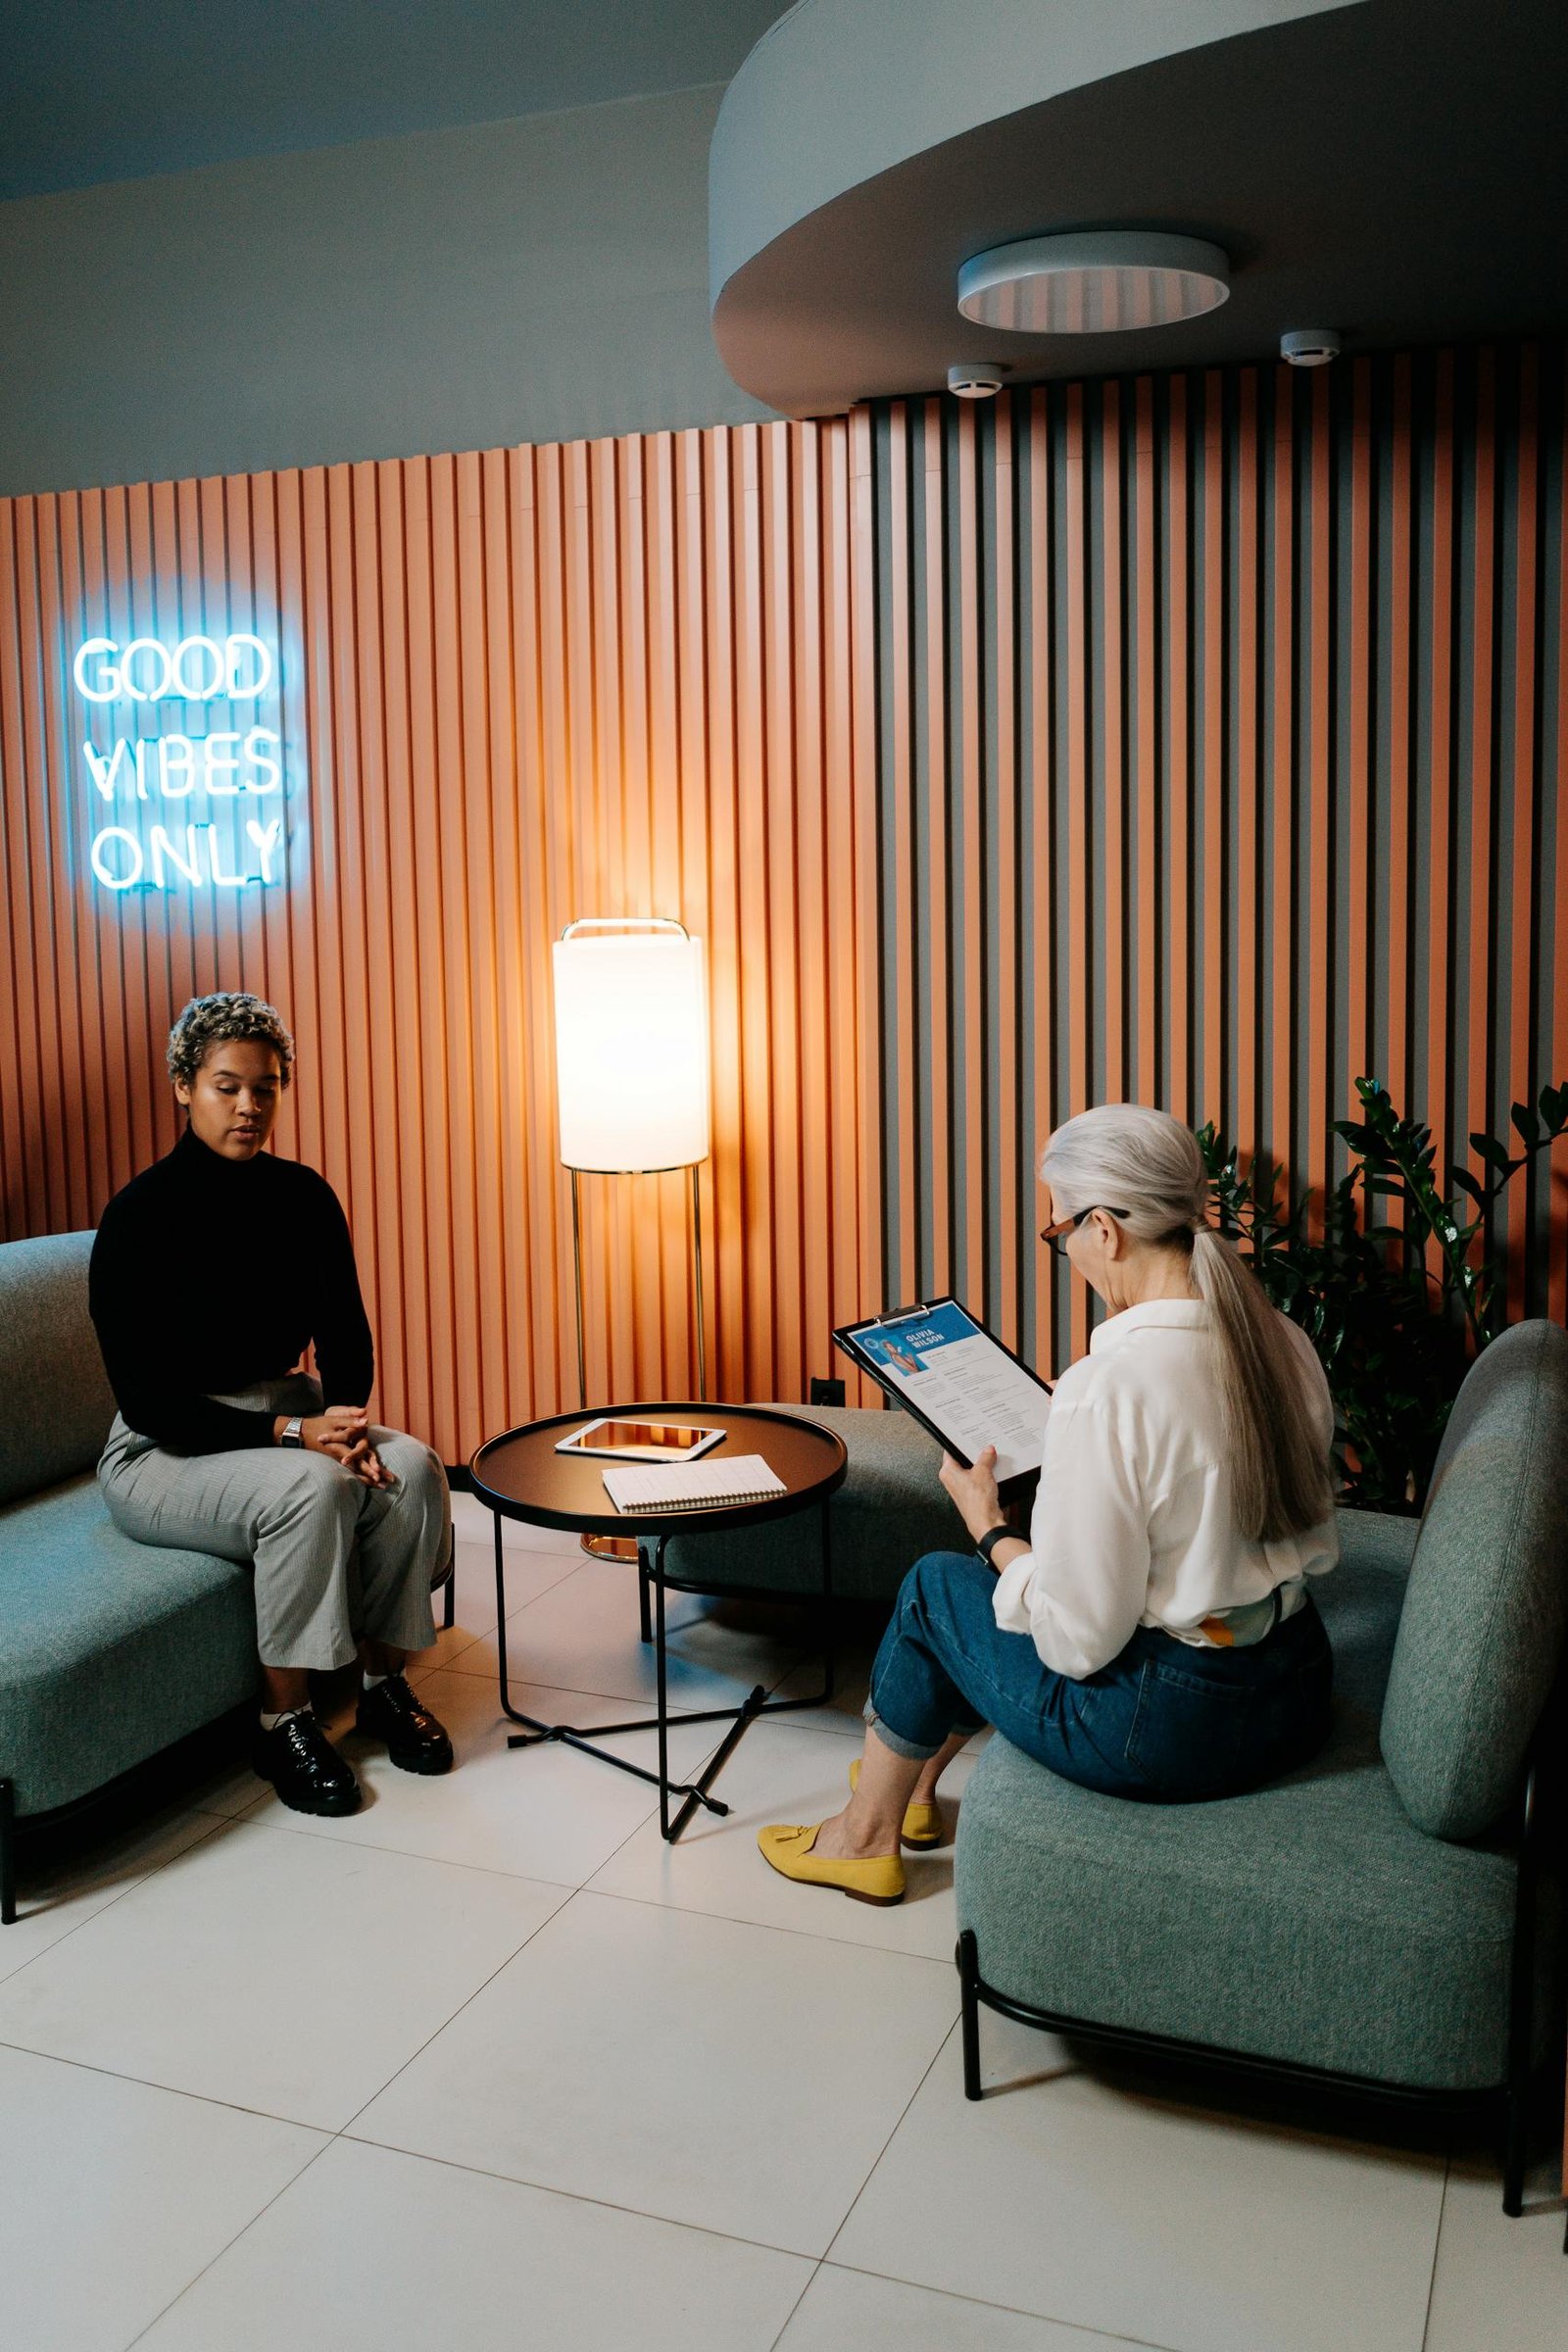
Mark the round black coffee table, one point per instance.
(521, 1476)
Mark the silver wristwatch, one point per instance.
(293, 1431)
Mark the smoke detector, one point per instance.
(975, 380)
(1309, 346)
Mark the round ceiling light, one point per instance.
(1097, 283)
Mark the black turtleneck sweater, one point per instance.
(209, 1275)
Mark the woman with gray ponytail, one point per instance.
(1153, 1636)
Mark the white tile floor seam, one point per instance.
(645, 2088)
(887, 2143)
(210, 1823)
(795, 2307)
(118, 2074)
(1085, 2336)
(446, 2164)
(197, 2276)
(1436, 2247)
(691, 2324)
(290, 1829)
(345, 2131)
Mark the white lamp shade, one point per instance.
(631, 1051)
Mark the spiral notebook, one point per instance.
(693, 1486)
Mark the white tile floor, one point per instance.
(489, 2064)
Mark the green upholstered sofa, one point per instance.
(1381, 1916)
(109, 1651)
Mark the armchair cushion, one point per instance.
(58, 1399)
(1483, 1628)
(111, 1650)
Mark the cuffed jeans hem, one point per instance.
(914, 1752)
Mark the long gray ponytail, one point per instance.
(1146, 1163)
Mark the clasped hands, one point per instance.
(343, 1431)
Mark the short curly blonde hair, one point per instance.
(223, 1020)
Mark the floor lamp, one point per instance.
(631, 1081)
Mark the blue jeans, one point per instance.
(1163, 1721)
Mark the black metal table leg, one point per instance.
(652, 1589)
(660, 1680)
(536, 1734)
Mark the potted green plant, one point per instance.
(1395, 1305)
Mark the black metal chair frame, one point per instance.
(1540, 1810)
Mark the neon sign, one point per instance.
(218, 772)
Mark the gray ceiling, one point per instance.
(97, 91)
(1398, 172)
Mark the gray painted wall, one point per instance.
(530, 280)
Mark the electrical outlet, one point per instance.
(827, 1392)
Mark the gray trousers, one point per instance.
(335, 1560)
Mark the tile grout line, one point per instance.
(342, 2129)
(170, 2090)
(578, 2196)
(789, 2317)
(399, 2071)
(478, 2172)
(828, 2263)
(654, 1903)
(902, 2114)
(144, 1877)
(367, 1846)
(1437, 2245)
(1038, 2319)
(196, 2277)
(328, 2134)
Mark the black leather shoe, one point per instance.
(414, 1740)
(305, 1768)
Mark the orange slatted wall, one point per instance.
(517, 687)
(1198, 739)
(1225, 743)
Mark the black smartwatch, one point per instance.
(990, 1540)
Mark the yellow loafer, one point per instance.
(922, 1824)
(877, 1881)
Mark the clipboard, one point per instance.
(886, 1348)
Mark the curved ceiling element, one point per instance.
(840, 90)
(1394, 168)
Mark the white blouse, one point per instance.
(1133, 1520)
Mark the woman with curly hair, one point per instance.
(212, 1274)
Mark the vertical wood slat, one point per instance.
(1039, 929)
(1013, 1190)
(1248, 992)
(1212, 901)
(509, 687)
(1082, 883)
(937, 927)
(1145, 1083)
(1269, 838)
(1519, 898)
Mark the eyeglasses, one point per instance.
(1056, 1235)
